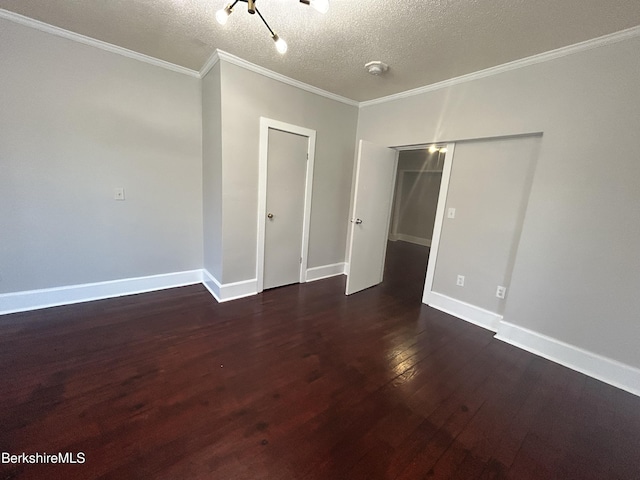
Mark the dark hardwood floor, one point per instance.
(299, 382)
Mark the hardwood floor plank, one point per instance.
(299, 382)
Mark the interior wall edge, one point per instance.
(225, 292)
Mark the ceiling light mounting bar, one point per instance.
(265, 22)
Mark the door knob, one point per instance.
(357, 221)
(269, 215)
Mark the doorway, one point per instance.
(418, 180)
(374, 186)
(284, 203)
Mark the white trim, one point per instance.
(597, 366)
(437, 224)
(265, 125)
(325, 271)
(211, 284)
(230, 291)
(220, 54)
(395, 219)
(209, 64)
(92, 42)
(425, 242)
(281, 78)
(465, 311)
(505, 67)
(52, 297)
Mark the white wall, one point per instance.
(576, 276)
(246, 96)
(75, 122)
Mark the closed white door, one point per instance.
(375, 179)
(285, 207)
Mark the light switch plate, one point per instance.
(451, 213)
(119, 193)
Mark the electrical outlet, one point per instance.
(460, 281)
(501, 291)
(119, 193)
(451, 213)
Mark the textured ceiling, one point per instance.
(423, 41)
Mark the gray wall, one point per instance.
(75, 122)
(489, 188)
(418, 201)
(576, 271)
(246, 96)
(417, 193)
(212, 171)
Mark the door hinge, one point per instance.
(300, 260)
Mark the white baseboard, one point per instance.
(325, 271)
(52, 297)
(465, 311)
(601, 368)
(425, 242)
(229, 291)
(597, 366)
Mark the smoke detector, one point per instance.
(376, 68)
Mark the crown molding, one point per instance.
(209, 64)
(506, 67)
(92, 42)
(222, 55)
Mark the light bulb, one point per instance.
(281, 45)
(433, 149)
(320, 5)
(223, 15)
(443, 150)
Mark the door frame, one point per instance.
(265, 125)
(437, 224)
(440, 210)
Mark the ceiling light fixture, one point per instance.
(223, 15)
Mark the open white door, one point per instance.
(375, 178)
